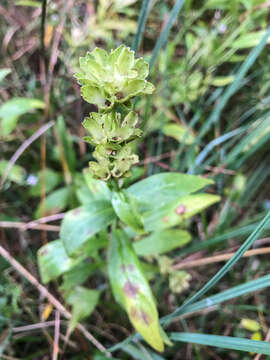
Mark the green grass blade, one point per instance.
(234, 86)
(165, 32)
(263, 128)
(223, 271)
(254, 182)
(209, 147)
(231, 90)
(141, 24)
(225, 342)
(234, 233)
(226, 295)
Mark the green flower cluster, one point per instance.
(112, 78)
(110, 81)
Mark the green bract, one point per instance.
(110, 81)
(112, 78)
(113, 160)
(105, 128)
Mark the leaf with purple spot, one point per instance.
(132, 291)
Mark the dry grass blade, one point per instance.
(25, 226)
(219, 258)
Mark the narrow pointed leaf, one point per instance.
(225, 342)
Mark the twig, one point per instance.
(46, 219)
(152, 159)
(42, 25)
(56, 335)
(44, 292)
(36, 224)
(218, 258)
(31, 327)
(220, 170)
(25, 226)
(23, 147)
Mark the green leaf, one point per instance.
(161, 242)
(136, 173)
(100, 56)
(160, 189)
(126, 209)
(4, 73)
(178, 211)
(12, 109)
(133, 87)
(82, 223)
(225, 342)
(99, 189)
(83, 302)
(16, 173)
(222, 80)
(55, 202)
(249, 40)
(125, 61)
(78, 274)
(28, 3)
(8, 124)
(132, 290)
(54, 261)
(250, 324)
(93, 95)
(142, 68)
(179, 133)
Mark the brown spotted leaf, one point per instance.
(132, 290)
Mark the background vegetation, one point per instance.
(209, 115)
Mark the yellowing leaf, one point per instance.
(256, 336)
(250, 325)
(47, 312)
(179, 133)
(132, 290)
(222, 80)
